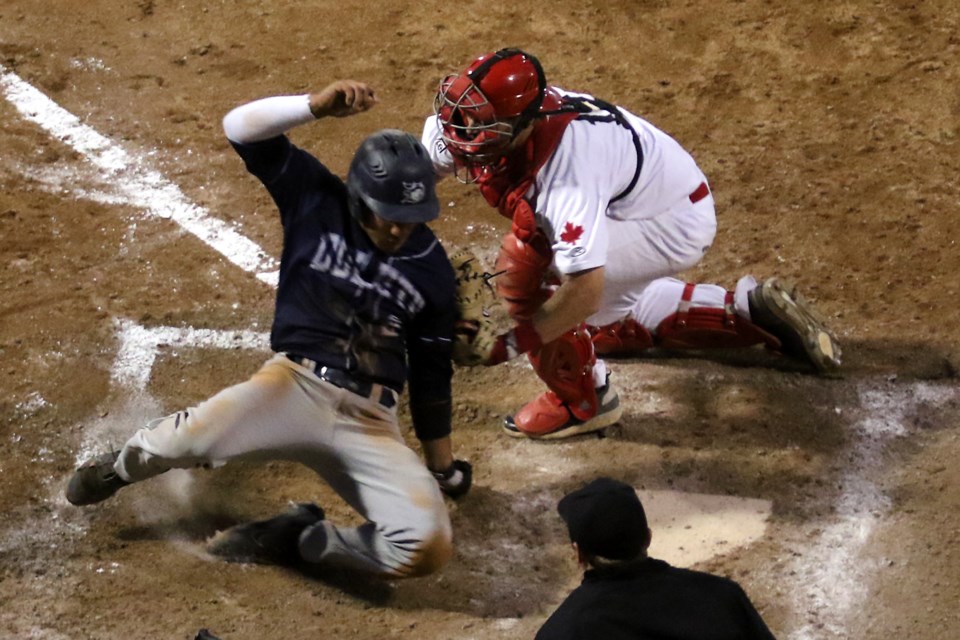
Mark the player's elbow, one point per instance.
(233, 125)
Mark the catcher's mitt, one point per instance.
(477, 329)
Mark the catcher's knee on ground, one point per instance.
(711, 321)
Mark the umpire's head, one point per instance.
(606, 522)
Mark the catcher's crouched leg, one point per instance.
(772, 313)
(689, 327)
(625, 337)
(573, 405)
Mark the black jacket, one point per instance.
(650, 599)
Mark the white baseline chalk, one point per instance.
(140, 185)
(140, 345)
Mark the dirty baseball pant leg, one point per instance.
(408, 531)
(265, 417)
(286, 412)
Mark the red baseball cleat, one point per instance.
(548, 418)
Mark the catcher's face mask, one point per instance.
(482, 110)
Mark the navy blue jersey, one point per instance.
(343, 302)
(653, 600)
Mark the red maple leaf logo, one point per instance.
(571, 233)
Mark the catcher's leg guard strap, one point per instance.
(706, 328)
(566, 366)
(620, 338)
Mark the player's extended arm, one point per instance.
(574, 301)
(270, 117)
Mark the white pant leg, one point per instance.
(662, 297)
(408, 530)
(285, 412)
(265, 417)
(641, 251)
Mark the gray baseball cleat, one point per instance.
(95, 480)
(272, 541)
(778, 307)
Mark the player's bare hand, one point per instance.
(342, 98)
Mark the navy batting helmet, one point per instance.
(392, 174)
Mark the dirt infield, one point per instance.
(136, 270)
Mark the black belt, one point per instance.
(375, 391)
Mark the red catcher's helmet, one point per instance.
(481, 110)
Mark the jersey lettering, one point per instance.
(335, 257)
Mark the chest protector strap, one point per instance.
(504, 187)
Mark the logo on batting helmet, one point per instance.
(392, 174)
(481, 110)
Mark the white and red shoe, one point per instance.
(547, 417)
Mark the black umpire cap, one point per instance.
(605, 518)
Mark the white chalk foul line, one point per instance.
(139, 347)
(832, 575)
(140, 185)
(137, 352)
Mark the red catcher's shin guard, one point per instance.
(566, 366)
(710, 328)
(689, 328)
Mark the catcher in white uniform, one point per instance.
(365, 304)
(605, 208)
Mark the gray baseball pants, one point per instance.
(285, 412)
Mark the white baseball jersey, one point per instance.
(652, 232)
(592, 165)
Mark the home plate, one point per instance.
(692, 527)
